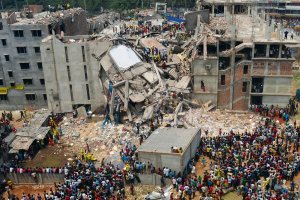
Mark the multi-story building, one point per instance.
(71, 69)
(242, 60)
(22, 82)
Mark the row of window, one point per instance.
(24, 49)
(34, 33)
(21, 49)
(28, 97)
(26, 81)
(26, 65)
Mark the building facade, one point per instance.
(71, 72)
(22, 83)
(245, 60)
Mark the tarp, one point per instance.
(175, 19)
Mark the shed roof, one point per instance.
(161, 140)
(21, 143)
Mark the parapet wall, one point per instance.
(41, 178)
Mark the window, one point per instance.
(88, 92)
(1, 26)
(21, 49)
(10, 74)
(3, 97)
(18, 33)
(69, 73)
(4, 43)
(24, 65)
(30, 97)
(83, 53)
(12, 84)
(45, 97)
(1, 82)
(27, 81)
(244, 88)
(42, 81)
(40, 65)
(36, 33)
(222, 79)
(71, 93)
(66, 54)
(85, 73)
(6, 57)
(245, 69)
(37, 49)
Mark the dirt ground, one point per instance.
(140, 190)
(18, 190)
(51, 156)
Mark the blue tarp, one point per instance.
(175, 19)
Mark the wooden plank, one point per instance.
(126, 95)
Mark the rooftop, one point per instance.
(124, 57)
(44, 17)
(161, 140)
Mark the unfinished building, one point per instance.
(240, 60)
(22, 83)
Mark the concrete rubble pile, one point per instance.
(226, 121)
(101, 142)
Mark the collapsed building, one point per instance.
(137, 87)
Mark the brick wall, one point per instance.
(272, 68)
(241, 105)
(223, 97)
(286, 68)
(258, 68)
(227, 74)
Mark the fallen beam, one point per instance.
(178, 108)
(158, 75)
(126, 95)
(119, 84)
(112, 102)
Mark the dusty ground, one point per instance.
(29, 189)
(52, 156)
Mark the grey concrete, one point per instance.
(157, 148)
(152, 179)
(278, 85)
(28, 179)
(191, 18)
(56, 72)
(16, 98)
(209, 77)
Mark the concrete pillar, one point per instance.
(279, 32)
(268, 51)
(226, 12)
(232, 77)
(249, 10)
(213, 10)
(232, 11)
(280, 50)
